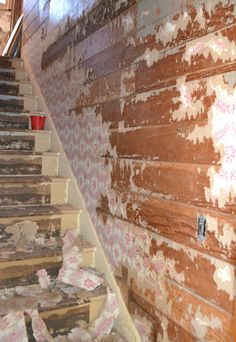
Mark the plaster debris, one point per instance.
(23, 232)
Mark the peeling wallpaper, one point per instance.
(142, 95)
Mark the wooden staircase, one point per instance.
(35, 214)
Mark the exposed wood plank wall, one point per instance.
(150, 76)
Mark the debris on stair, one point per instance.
(13, 328)
(70, 272)
(73, 285)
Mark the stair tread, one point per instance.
(13, 129)
(26, 153)
(29, 131)
(36, 210)
(34, 251)
(30, 178)
(11, 253)
(56, 296)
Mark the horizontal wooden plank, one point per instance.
(173, 181)
(126, 53)
(178, 222)
(104, 89)
(177, 23)
(187, 101)
(102, 39)
(35, 20)
(164, 258)
(28, 8)
(147, 326)
(88, 24)
(182, 266)
(189, 311)
(143, 310)
(166, 143)
(161, 68)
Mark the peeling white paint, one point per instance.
(224, 278)
(201, 323)
(217, 46)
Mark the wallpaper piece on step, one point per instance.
(70, 272)
(43, 278)
(12, 327)
(101, 326)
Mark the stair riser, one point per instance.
(13, 74)
(29, 165)
(48, 226)
(9, 103)
(23, 272)
(62, 321)
(11, 63)
(33, 193)
(16, 88)
(38, 142)
(14, 143)
(9, 88)
(14, 121)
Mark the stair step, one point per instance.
(18, 103)
(60, 306)
(19, 268)
(18, 122)
(33, 190)
(11, 62)
(50, 221)
(15, 87)
(20, 163)
(11, 74)
(28, 140)
(60, 319)
(18, 265)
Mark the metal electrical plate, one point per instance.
(201, 228)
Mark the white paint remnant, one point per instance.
(223, 183)
(151, 56)
(143, 326)
(128, 23)
(200, 133)
(144, 96)
(201, 323)
(224, 277)
(120, 3)
(189, 107)
(169, 29)
(224, 274)
(225, 234)
(228, 237)
(199, 170)
(217, 46)
(123, 129)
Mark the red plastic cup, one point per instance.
(37, 122)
